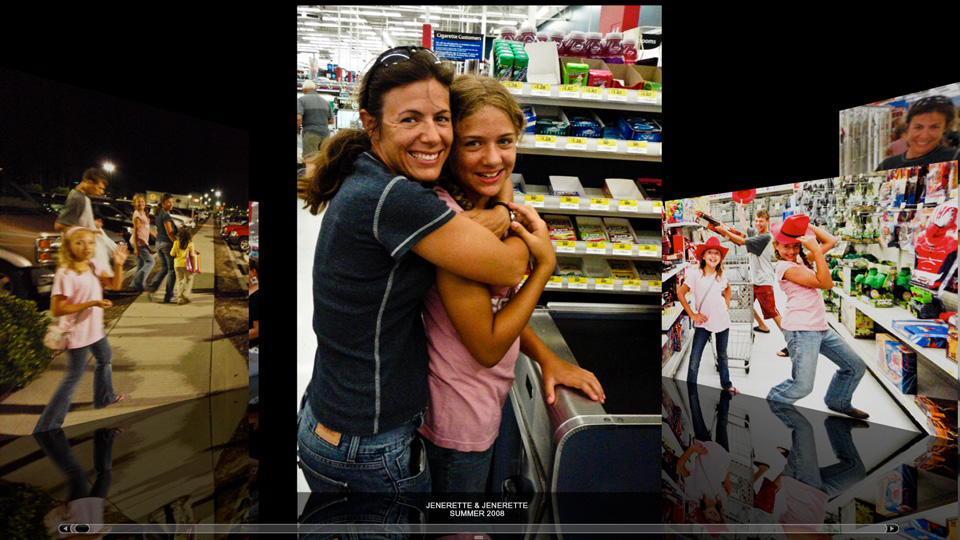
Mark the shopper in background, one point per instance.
(927, 121)
(78, 211)
(899, 143)
(313, 116)
(141, 243)
(382, 234)
(77, 297)
(182, 250)
(166, 236)
(475, 331)
(711, 293)
(254, 304)
(759, 245)
(804, 322)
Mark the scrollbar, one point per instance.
(497, 528)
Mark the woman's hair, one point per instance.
(139, 197)
(703, 264)
(803, 255)
(335, 160)
(66, 257)
(184, 237)
(468, 95)
(940, 104)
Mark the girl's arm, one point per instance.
(827, 240)
(804, 276)
(136, 226)
(254, 331)
(59, 305)
(682, 297)
(463, 247)
(556, 371)
(495, 218)
(726, 295)
(119, 257)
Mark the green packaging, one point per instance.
(504, 67)
(576, 74)
(520, 63)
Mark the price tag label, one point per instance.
(569, 91)
(655, 284)
(535, 201)
(607, 145)
(632, 285)
(629, 205)
(591, 92)
(555, 282)
(600, 204)
(604, 284)
(564, 246)
(646, 248)
(660, 147)
(546, 141)
(539, 89)
(576, 143)
(597, 248)
(617, 94)
(515, 88)
(623, 249)
(572, 203)
(636, 147)
(647, 96)
(576, 283)
(658, 206)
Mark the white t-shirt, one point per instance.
(709, 302)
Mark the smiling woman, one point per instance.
(381, 236)
(927, 121)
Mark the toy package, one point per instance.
(923, 332)
(897, 491)
(935, 246)
(924, 530)
(938, 181)
(897, 362)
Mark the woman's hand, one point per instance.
(699, 318)
(533, 231)
(495, 220)
(564, 373)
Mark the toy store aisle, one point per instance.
(767, 370)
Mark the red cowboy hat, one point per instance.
(791, 229)
(712, 243)
(744, 196)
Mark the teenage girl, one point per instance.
(141, 243)
(474, 330)
(180, 250)
(77, 297)
(805, 324)
(711, 293)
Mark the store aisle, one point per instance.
(767, 370)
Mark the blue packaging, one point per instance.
(583, 125)
(637, 128)
(923, 332)
(610, 132)
(531, 117)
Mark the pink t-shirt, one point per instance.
(708, 473)
(465, 398)
(805, 309)
(142, 233)
(805, 504)
(79, 288)
(709, 302)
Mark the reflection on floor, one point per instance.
(741, 460)
(185, 463)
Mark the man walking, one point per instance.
(166, 236)
(313, 116)
(77, 211)
(759, 244)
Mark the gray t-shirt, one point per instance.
(77, 210)
(163, 217)
(760, 248)
(316, 113)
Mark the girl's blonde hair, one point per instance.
(703, 264)
(139, 197)
(468, 95)
(803, 255)
(65, 257)
(184, 237)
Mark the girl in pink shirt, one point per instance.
(77, 297)
(711, 293)
(475, 331)
(804, 321)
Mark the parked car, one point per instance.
(180, 215)
(28, 243)
(239, 236)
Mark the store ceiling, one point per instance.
(352, 36)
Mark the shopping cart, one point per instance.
(740, 341)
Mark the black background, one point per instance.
(752, 100)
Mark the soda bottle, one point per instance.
(593, 47)
(528, 33)
(576, 45)
(613, 48)
(508, 33)
(542, 36)
(629, 50)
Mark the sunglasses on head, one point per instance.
(935, 100)
(399, 55)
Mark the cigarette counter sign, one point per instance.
(458, 46)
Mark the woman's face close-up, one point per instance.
(486, 152)
(925, 132)
(416, 133)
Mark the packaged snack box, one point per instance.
(600, 77)
(574, 73)
(569, 267)
(897, 362)
(560, 228)
(591, 229)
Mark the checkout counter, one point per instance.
(578, 461)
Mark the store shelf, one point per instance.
(867, 349)
(607, 249)
(885, 317)
(592, 203)
(666, 321)
(603, 285)
(561, 146)
(676, 270)
(669, 368)
(575, 96)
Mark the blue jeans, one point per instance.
(145, 264)
(802, 463)
(700, 337)
(363, 464)
(454, 471)
(56, 410)
(166, 267)
(54, 444)
(805, 348)
(700, 430)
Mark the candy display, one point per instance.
(560, 228)
(591, 229)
